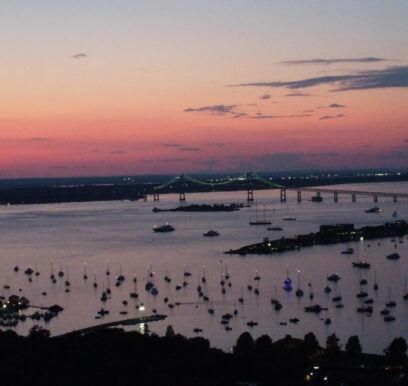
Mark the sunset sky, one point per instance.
(102, 87)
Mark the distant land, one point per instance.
(81, 189)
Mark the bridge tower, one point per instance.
(250, 195)
(336, 197)
(353, 197)
(156, 197)
(395, 199)
(182, 197)
(375, 198)
(299, 196)
(283, 195)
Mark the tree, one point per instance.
(170, 331)
(397, 349)
(37, 332)
(263, 344)
(311, 341)
(353, 346)
(332, 344)
(245, 344)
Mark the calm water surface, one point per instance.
(119, 235)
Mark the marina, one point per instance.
(108, 241)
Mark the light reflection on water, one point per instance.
(119, 235)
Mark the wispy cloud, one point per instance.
(326, 62)
(265, 96)
(58, 167)
(332, 106)
(80, 55)
(118, 152)
(39, 139)
(215, 109)
(162, 160)
(297, 94)
(331, 116)
(390, 77)
(291, 161)
(220, 145)
(171, 145)
(260, 116)
(190, 149)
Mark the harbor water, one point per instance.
(117, 237)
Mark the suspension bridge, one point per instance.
(183, 183)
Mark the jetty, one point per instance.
(124, 322)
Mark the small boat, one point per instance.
(363, 310)
(362, 294)
(274, 228)
(211, 233)
(317, 199)
(163, 228)
(348, 251)
(393, 256)
(316, 308)
(389, 318)
(333, 277)
(376, 209)
(260, 222)
(361, 264)
(263, 221)
(287, 284)
(289, 218)
(375, 286)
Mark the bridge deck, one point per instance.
(344, 191)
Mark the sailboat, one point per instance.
(264, 221)
(405, 295)
(299, 291)
(375, 287)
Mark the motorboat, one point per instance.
(393, 256)
(333, 277)
(211, 233)
(163, 228)
(376, 209)
(348, 251)
(361, 264)
(289, 218)
(275, 228)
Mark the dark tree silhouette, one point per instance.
(170, 331)
(245, 344)
(311, 341)
(353, 346)
(38, 332)
(263, 344)
(397, 349)
(332, 344)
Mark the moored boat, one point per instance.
(211, 233)
(163, 228)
